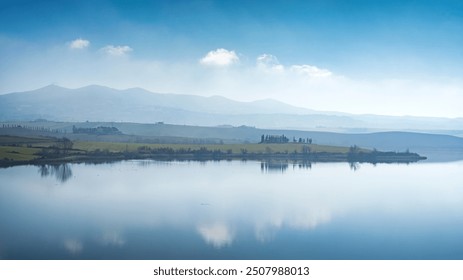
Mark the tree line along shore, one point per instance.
(17, 150)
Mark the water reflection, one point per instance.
(112, 238)
(304, 164)
(354, 165)
(266, 230)
(217, 235)
(281, 166)
(158, 210)
(62, 172)
(73, 246)
(274, 166)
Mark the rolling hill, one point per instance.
(98, 103)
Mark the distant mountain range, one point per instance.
(98, 103)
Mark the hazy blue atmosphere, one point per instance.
(207, 129)
(381, 57)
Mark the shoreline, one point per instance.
(16, 150)
(363, 157)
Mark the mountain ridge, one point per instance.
(101, 103)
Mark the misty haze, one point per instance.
(215, 130)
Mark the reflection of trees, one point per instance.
(272, 166)
(62, 172)
(354, 165)
(44, 170)
(304, 164)
(282, 165)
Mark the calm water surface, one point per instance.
(232, 210)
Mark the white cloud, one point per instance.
(269, 62)
(79, 44)
(117, 50)
(311, 71)
(219, 57)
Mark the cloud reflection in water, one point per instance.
(73, 246)
(217, 235)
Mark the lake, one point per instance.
(232, 210)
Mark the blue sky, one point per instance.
(383, 57)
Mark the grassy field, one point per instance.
(18, 153)
(224, 148)
(14, 148)
(24, 149)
